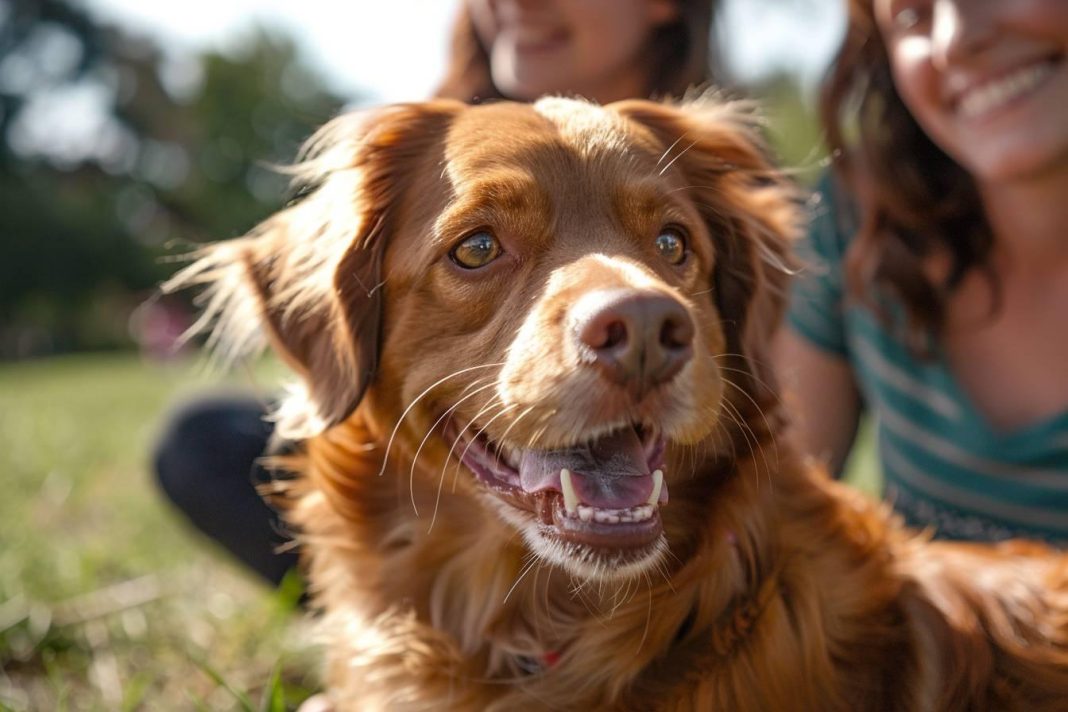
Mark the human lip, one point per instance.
(987, 95)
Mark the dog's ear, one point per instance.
(752, 211)
(310, 277)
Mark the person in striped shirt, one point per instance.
(935, 288)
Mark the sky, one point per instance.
(394, 50)
(370, 51)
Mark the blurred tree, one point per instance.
(110, 147)
(793, 126)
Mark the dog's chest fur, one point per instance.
(417, 615)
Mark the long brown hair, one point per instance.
(682, 55)
(914, 201)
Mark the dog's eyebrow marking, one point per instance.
(489, 198)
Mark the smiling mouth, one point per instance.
(988, 96)
(603, 495)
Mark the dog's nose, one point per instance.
(639, 340)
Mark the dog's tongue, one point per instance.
(609, 473)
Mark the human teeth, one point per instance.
(658, 483)
(568, 490)
(1000, 91)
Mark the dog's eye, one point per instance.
(671, 245)
(476, 251)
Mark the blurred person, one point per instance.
(207, 456)
(604, 50)
(157, 325)
(938, 297)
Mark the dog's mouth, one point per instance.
(602, 496)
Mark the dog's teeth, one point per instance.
(658, 483)
(601, 515)
(571, 500)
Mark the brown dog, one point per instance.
(544, 465)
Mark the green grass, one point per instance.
(862, 468)
(107, 599)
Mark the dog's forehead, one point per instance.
(585, 126)
(543, 133)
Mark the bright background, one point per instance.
(384, 49)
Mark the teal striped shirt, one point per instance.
(943, 464)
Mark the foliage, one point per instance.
(178, 150)
(793, 128)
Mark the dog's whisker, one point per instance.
(538, 429)
(523, 572)
(766, 253)
(547, 603)
(535, 597)
(432, 386)
(648, 612)
(767, 425)
(750, 437)
(772, 390)
(577, 590)
(749, 374)
(504, 409)
(691, 186)
(617, 597)
(677, 157)
(415, 459)
(495, 400)
(661, 568)
(670, 148)
(492, 403)
(504, 435)
(430, 430)
(480, 381)
(735, 415)
(543, 428)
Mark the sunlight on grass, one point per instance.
(107, 599)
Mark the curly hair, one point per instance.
(682, 55)
(914, 201)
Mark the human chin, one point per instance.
(1015, 158)
(1009, 153)
(526, 79)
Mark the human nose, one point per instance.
(961, 28)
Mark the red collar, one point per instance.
(535, 665)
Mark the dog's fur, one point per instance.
(771, 587)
